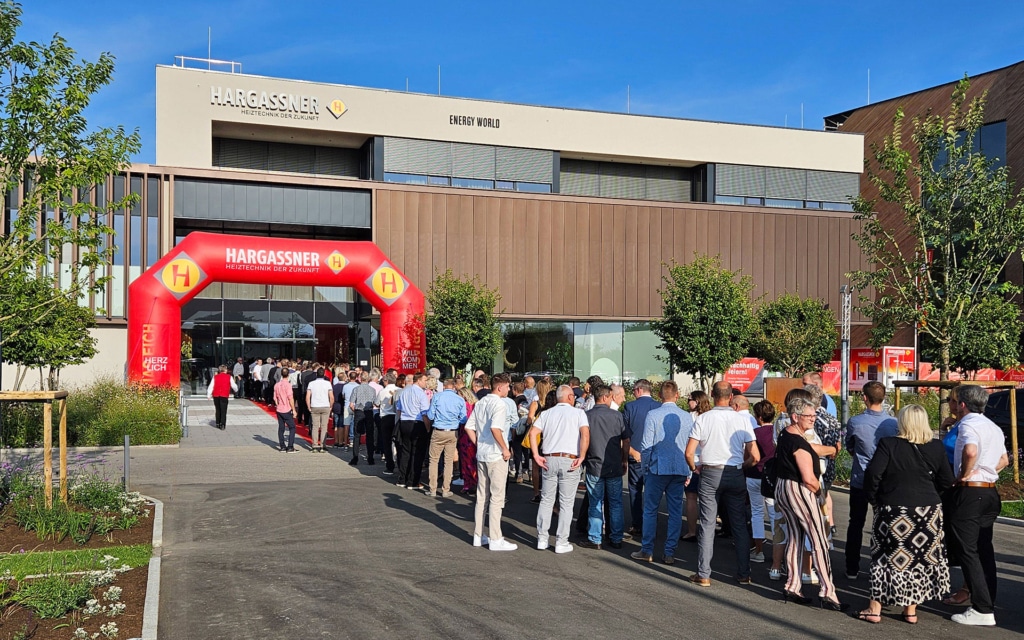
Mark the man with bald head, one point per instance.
(827, 403)
(566, 438)
(726, 439)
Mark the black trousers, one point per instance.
(636, 495)
(855, 532)
(220, 406)
(413, 440)
(363, 422)
(971, 512)
(286, 426)
(378, 442)
(387, 433)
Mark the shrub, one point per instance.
(53, 596)
(100, 414)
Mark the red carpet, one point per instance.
(302, 431)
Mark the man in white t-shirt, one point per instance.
(971, 510)
(726, 439)
(488, 427)
(319, 398)
(558, 438)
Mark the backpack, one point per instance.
(769, 478)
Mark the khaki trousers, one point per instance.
(490, 495)
(446, 442)
(318, 430)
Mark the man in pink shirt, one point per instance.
(284, 401)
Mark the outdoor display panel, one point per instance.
(155, 298)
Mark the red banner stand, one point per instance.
(155, 298)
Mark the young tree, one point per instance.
(46, 147)
(60, 339)
(966, 221)
(706, 319)
(462, 326)
(988, 338)
(794, 334)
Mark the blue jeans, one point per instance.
(597, 487)
(672, 487)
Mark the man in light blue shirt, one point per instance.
(447, 411)
(862, 436)
(412, 431)
(663, 463)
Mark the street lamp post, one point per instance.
(846, 296)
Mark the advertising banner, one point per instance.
(744, 373)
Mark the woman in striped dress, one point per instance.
(796, 497)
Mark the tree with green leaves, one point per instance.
(60, 339)
(794, 335)
(462, 326)
(966, 222)
(51, 162)
(706, 321)
(989, 338)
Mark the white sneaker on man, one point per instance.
(563, 548)
(480, 541)
(542, 543)
(502, 545)
(809, 579)
(775, 574)
(975, 618)
(756, 556)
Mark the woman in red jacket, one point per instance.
(221, 387)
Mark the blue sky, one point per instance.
(750, 62)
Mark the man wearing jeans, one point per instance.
(606, 463)
(666, 432)
(726, 439)
(488, 428)
(566, 436)
(862, 438)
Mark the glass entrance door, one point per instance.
(263, 348)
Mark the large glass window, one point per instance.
(642, 354)
(152, 221)
(597, 350)
(472, 183)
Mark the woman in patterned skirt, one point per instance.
(903, 483)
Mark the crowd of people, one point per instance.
(755, 474)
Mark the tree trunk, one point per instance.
(944, 376)
(53, 379)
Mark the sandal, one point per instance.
(910, 618)
(867, 616)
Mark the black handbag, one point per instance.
(769, 478)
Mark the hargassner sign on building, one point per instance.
(264, 104)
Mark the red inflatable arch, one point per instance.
(156, 297)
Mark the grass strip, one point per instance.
(33, 563)
(1014, 509)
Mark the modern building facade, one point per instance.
(572, 215)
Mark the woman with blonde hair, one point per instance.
(903, 482)
(544, 387)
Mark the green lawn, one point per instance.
(45, 562)
(1013, 509)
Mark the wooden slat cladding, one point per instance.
(567, 257)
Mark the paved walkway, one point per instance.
(263, 544)
(248, 425)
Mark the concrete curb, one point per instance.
(25, 451)
(151, 612)
(1010, 522)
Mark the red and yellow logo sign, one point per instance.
(336, 262)
(387, 283)
(337, 108)
(181, 275)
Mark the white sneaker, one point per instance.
(542, 543)
(480, 541)
(757, 556)
(502, 545)
(809, 579)
(975, 618)
(563, 548)
(775, 574)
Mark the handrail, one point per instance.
(210, 63)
